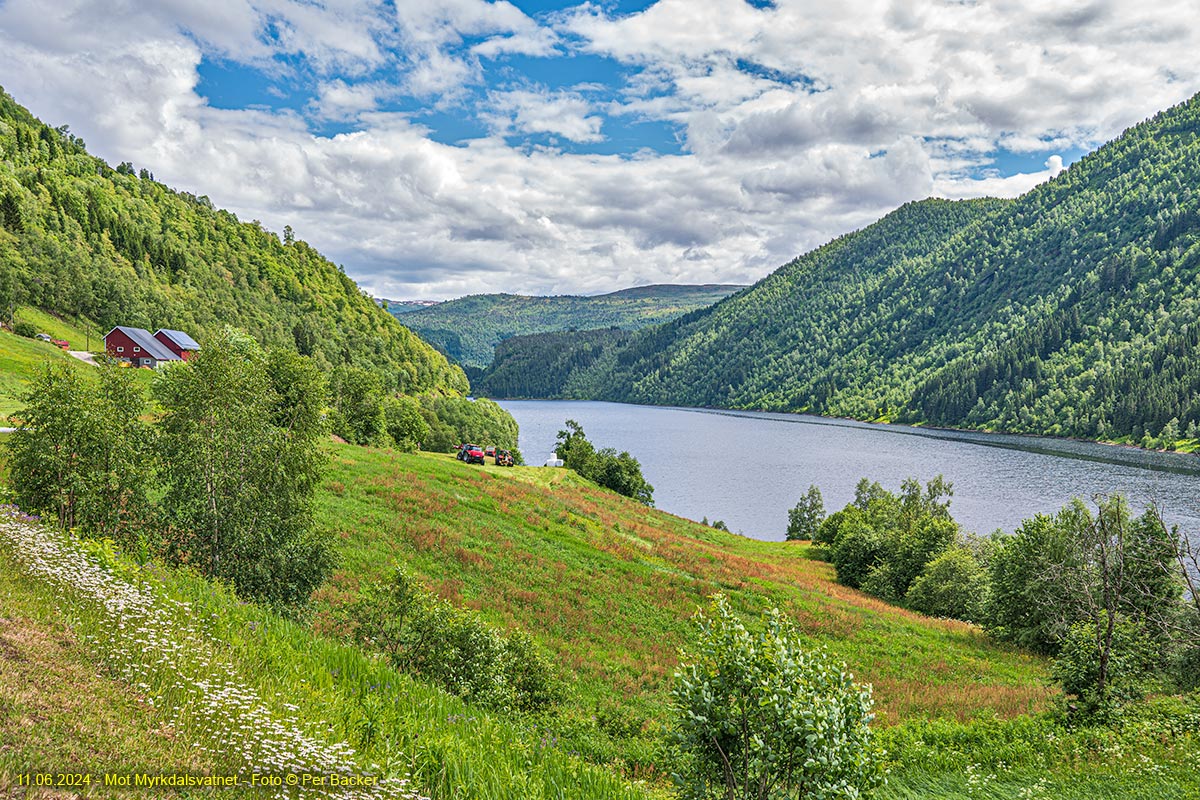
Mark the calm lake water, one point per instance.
(749, 468)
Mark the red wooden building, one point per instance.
(137, 346)
(177, 342)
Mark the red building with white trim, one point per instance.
(177, 342)
(136, 346)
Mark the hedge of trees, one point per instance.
(1109, 594)
(224, 481)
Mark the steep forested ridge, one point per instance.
(1071, 310)
(525, 366)
(467, 329)
(82, 239)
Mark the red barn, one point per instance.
(177, 342)
(136, 346)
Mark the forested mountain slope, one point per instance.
(81, 239)
(467, 329)
(1071, 310)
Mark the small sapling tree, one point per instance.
(805, 519)
(759, 717)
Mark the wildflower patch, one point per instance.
(146, 639)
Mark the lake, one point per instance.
(748, 468)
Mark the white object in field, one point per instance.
(553, 461)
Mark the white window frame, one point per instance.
(120, 349)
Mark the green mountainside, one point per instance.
(89, 242)
(467, 329)
(525, 365)
(1068, 311)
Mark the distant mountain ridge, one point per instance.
(469, 328)
(1072, 310)
(84, 240)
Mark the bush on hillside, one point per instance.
(26, 329)
(358, 411)
(620, 472)
(805, 519)
(1100, 684)
(426, 636)
(953, 585)
(758, 715)
(881, 542)
(404, 424)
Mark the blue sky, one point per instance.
(443, 147)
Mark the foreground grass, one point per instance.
(245, 691)
(609, 587)
(58, 713)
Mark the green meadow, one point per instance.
(606, 586)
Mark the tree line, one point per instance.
(1109, 595)
(218, 467)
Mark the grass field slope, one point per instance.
(469, 328)
(608, 587)
(193, 681)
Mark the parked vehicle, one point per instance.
(503, 458)
(472, 454)
(61, 343)
(461, 452)
(490, 451)
(42, 337)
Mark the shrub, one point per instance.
(805, 519)
(858, 550)
(358, 413)
(757, 715)
(953, 585)
(426, 636)
(26, 329)
(405, 425)
(1101, 687)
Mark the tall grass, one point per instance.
(259, 694)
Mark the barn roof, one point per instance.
(151, 346)
(181, 339)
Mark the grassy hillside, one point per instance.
(183, 677)
(21, 359)
(192, 680)
(1069, 311)
(81, 239)
(469, 328)
(609, 585)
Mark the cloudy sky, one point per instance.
(437, 148)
